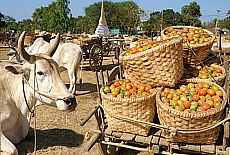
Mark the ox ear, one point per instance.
(12, 69)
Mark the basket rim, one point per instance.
(128, 100)
(192, 45)
(194, 114)
(173, 40)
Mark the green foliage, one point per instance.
(119, 15)
(2, 23)
(55, 17)
(191, 14)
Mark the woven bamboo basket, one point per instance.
(201, 50)
(219, 79)
(189, 121)
(159, 66)
(142, 109)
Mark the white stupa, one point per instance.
(102, 28)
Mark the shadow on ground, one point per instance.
(48, 138)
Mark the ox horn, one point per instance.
(54, 45)
(21, 48)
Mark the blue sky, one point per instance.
(23, 9)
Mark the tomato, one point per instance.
(152, 91)
(117, 84)
(216, 99)
(201, 92)
(127, 81)
(215, 87)
(199, 85)
(145, 93)
(165, 100)
(112, 87)
(128, 86)
(170, 96)
(187, 104)
(117, 89)
(195, 97)
(141, 87)
(176, 98)
(206, 106)
(219, 93)
(177, 107)
(193, 107)
(211, 92)
(127, 94)
(107, 89)
(147, 88)
(200, 109)
(216, 104)
(120, 95)
(211, 103)
(218, 70)
(163, 94)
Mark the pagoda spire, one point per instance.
(102, 20)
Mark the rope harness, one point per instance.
(33, 110)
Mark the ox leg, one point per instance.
(72, 80)
(6, 147)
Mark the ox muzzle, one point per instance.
(71, 102)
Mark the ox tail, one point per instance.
(80, 79)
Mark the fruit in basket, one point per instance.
(145, 45)
(192, 97)
(127, 89)
(208, 72)
(190, 35)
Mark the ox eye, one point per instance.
(40, 73)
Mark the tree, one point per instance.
(160, 20)
(120, 15)
(2, 23)
(191, 14)
(55, 17)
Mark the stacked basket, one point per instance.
(193, 52)
(119, 111)
(199, 125)
(158, 66)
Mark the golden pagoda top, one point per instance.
(102, 20)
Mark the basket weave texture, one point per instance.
(219, 79)
(159, 66)
(201, 50)
(142, 109)
(194, 120)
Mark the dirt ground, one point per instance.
(61, 134)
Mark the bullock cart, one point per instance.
(93, 51)
(112, 142)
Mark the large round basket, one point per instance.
(201, 50)
(219, 79)
(190, 121)
(141, 109)
(159, 66)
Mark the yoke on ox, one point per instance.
(67, 55)
(37, 80)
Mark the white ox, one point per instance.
(21, 86)
(67, 55)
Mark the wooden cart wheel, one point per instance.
(106, 49)
(109, 150)
(95, 57)
(125, 47)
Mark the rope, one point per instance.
(42, 94)
(35, 133)
(213, 79)
(172, 130)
